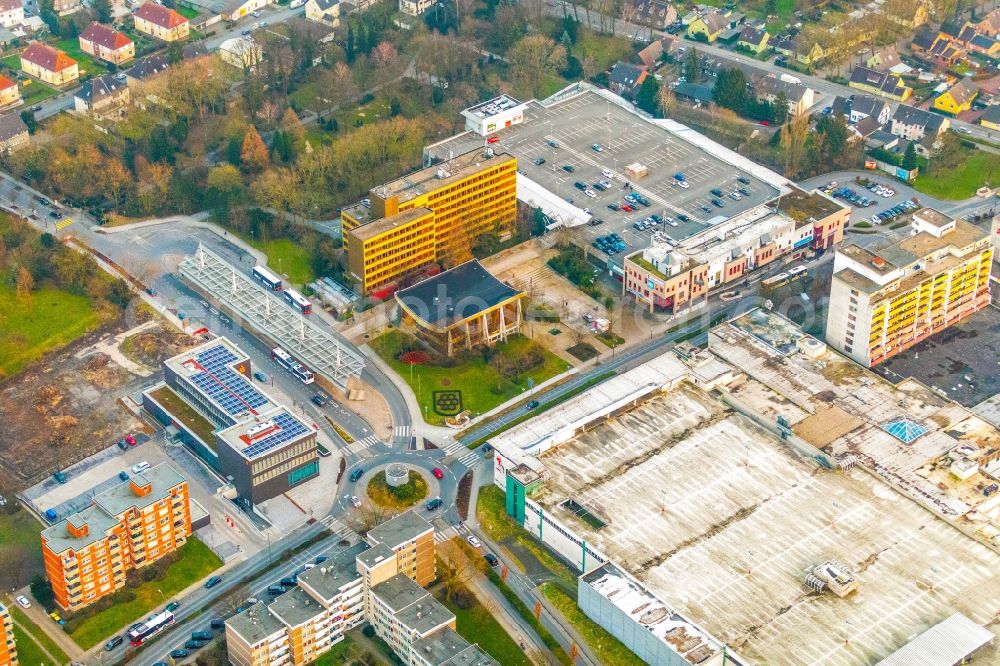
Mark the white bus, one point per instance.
(288, 362)
(297, 301)
(266, 278)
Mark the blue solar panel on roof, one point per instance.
(290, 429)
(224, 385)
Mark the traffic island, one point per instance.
(398, 487)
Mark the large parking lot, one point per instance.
(564, 135)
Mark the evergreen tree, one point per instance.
(349, 45)
(102, 10)
(910, 157)
(648, 96)
(731, 90)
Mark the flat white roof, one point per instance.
(945, 644)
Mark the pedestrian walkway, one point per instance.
(63, 223)
(450, 532)
(362, 444)
(337, 527)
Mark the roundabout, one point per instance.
(397, 486)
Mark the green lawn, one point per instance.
(338, 654)
(52, 319)
(34, 92)
(20, 553)
(961, 181)
(608, 649)
(196, 562)
(604, 49)
(87, 63)
(474, 379)
(476, 625)
(401, 497)
(31, 637)
(288, 258)
(186, 12)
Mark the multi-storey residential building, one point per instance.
(232, 425)
(8, 650)
(670, 276)
(885, 301)
(430, 216)
(128, 526)
(410, 541)
(107, 43)
(161, 22)
(415, 7)
(361, 582)
(102, 97)
(11, 13)
(49, 64)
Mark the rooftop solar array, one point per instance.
(323, 351)
(289, 429)
(223, 385)
(904, 429)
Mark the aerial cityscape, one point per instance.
(480, 332)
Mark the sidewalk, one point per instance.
(47, 625)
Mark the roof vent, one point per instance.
(878, 262)
(322, 570)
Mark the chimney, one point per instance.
(878, 262)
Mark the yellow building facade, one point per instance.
(430, 216)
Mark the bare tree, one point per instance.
(371, 515)
(453, 571)
(234, 600)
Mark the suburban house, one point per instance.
(867, 106)
(102, 97)
(916, 124)
(11, 13)
(9, 91)
(626, 78)
(753, 39)
(989, 25)
(656, 14)
(161, 22)
(880, 83)
(326, 12)
(709, 26)
(907, 15)
(793, 47)
(671, 44)
(146, 69)
(957, 31)
(886, 59)
(48, 64)
(107, 43)
(923, 41)
(958, 98)
(990, 118)
(415, 7)
(800, 98)
(13, 133)
(984, 44)
(66, 7)
(866, 127)
(241, 53)
(650, 55)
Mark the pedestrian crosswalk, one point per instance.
(362, 444)
(453, 449)
(338, 528)
(63, 223)
(470, 459)
(440, 536)
(401, 431)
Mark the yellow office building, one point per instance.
(431, 216)
(883, 302)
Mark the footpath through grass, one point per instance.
(608, 649)
(471, 384)
(195, 561)
(286, 257)
(31, 328)
(476, 624)
(31, 640)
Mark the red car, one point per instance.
(438, 474)
(626, 208)
(130, 440)
(493, 139)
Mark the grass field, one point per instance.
(20, 555)
(476, 625)
(34, 92)
(196, 562)
(402, 497)
(53, 319)
(87, 63)
(474, 378)
(608, 649)
(287, 258)
(186, 12)
(962, 181)
(33, 643)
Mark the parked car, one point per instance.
(716, 191)
(173, 605)
(718, 203)
(492, 559)
(568, 168)
(113, 643)
(193, 645)
(123, 475)
(259, 376)
(596, 147)
(356, 474)
(746, 181)
(580, 186)
(22, 601)
(218, 623)
(212, 582)
(130, 440)
(289, 581)
(139, 468)
(355, 502)
(438, 474)
(539, 161)
(275, 590)
(493, 139)
(614, 207)
(607, 174)
(121, 444)
(179, 653)
(473, 541)
(202, 635)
